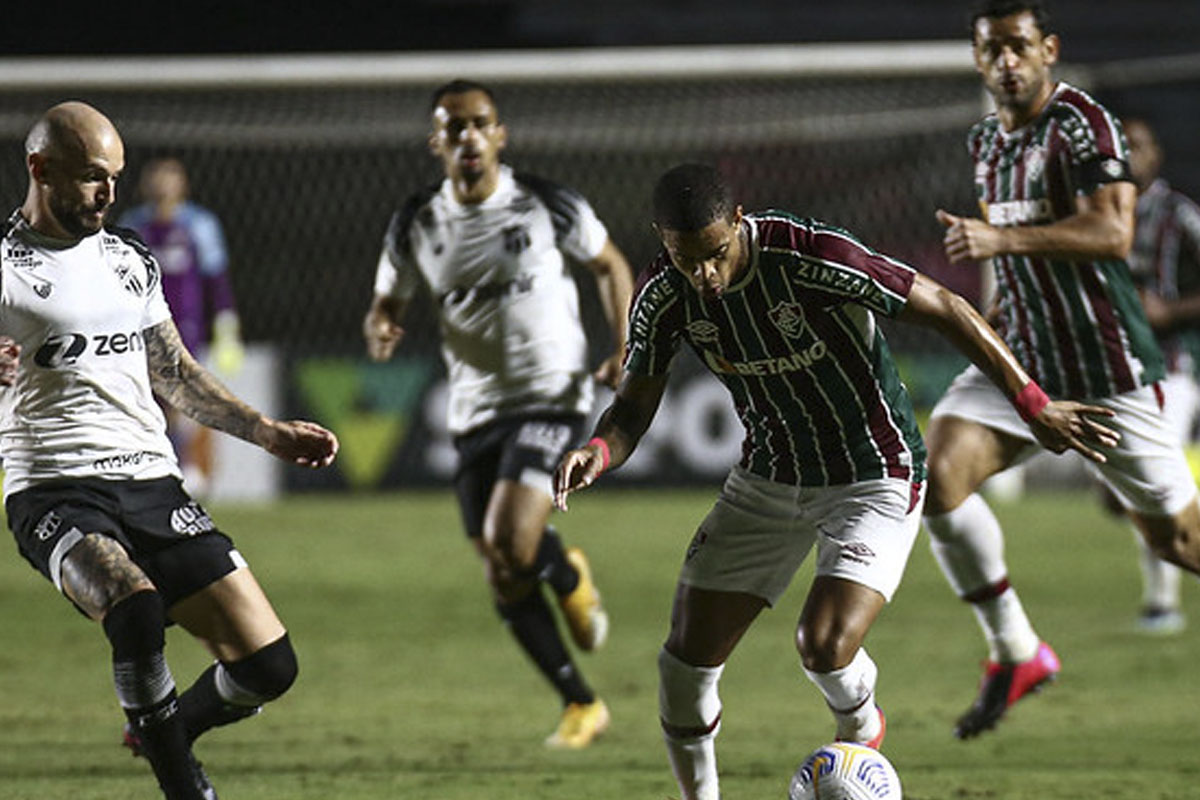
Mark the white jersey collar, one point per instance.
(506, 184)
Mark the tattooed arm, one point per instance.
(187, 386)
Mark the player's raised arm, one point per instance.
(1058, 425)
(617, 433)
(615, 282)
(180, 380)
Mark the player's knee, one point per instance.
(512, 551)
(135, 626)
(267, 673)
(825, 648)
(945, 488)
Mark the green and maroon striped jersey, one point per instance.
(1076, 326)
(1166, 261)
(795, 341)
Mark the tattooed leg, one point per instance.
(97, 574)
(101, 578)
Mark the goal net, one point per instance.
(304, 158)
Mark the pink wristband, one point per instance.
(603, 445)
(1030, 401)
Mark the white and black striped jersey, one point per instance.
(507, 304)
(82, 405)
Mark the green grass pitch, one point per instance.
(410, 688)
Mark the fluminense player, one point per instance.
(782, 310)
(92, 488)
(1165, 262)
(487, 247)
(1057, 203)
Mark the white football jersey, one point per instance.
(82, 404)
(508, 307)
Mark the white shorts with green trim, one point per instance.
(759, 532)
(1147, 469)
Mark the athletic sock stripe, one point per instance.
(142, 684)
(682, 732)
(988, 592)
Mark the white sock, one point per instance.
(1010, 636)
(850, 694)
(690, 711)
(1160, 579)
(969, 545)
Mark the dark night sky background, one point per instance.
(1092, 30)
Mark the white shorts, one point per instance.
(1147, 470)
(759, 532)
(1181, 404)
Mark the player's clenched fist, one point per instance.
(10, 358)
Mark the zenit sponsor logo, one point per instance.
(776, 365)
(66, 348)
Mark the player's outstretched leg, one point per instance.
(969, 546)
(569, 574)
(227, 692)
(689, 709)
(531, 622)
(135, 628)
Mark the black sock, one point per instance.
(160, 730)
(532, 623)
(134, 626)
(203, 708)
(552, 566)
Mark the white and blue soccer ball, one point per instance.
(845, 771)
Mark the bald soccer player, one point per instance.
(91, 484)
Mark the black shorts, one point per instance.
(164, 531)
(525, 449)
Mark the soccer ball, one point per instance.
(845, 771)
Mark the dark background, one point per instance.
(304, 177)
(1092, 31)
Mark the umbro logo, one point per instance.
(857, 551)
(43, 290)
(703, 331)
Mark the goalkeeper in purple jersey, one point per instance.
(189, 244)
(782, 310)
(1057, 222)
